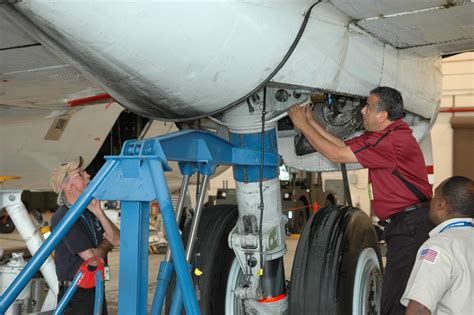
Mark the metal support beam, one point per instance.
(174, 239)
(133, 277)
(166, 266)
(177, 303)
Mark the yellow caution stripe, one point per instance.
(7, 178)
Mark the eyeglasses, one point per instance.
(79, 173)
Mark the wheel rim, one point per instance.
(367, 284)
(233, 305)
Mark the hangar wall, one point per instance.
(458, 92)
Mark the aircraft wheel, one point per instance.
(213, 257)
(6, 224)
(336, 269)
(233, 305)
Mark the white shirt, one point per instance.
(443, 276)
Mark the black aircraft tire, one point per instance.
(214, 260)
(6, 225)
(324, 267)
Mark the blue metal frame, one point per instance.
(136, 177)
(68, 294)
(99, 293)
(251, 173)
(163, 279)
(183, 276)
(134, 257)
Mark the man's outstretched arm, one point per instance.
(332, 151)
(415, 308)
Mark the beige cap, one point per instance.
(59, 173)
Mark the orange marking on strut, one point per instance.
(274, 298)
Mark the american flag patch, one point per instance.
(429, 255)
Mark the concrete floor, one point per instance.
(14, 240)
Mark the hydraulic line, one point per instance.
(260, 187)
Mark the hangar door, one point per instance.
(463, 145)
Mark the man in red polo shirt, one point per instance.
(399, 187)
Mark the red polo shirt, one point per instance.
(395, 162)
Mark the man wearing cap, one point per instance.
(398, 182)
(93, 235)
(442, 280)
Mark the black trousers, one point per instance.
(82, 302)
(404, 235)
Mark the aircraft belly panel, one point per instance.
(351, 61)
(342, 61)
(420, 29)
(168, 60)
(368, 8)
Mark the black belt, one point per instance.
(407, 209)
(65, 284)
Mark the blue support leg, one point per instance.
(133, 277)
(166, 266)
(68, 294)
(163, 279)
(99, 294)
(174, 239)
(177, 303)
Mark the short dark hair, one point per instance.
(459, 194)
(390, 100)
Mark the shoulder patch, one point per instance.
(429, 255)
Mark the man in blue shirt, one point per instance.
(93, 235)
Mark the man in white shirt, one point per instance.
(442, 280)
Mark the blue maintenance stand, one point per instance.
(136, 177)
